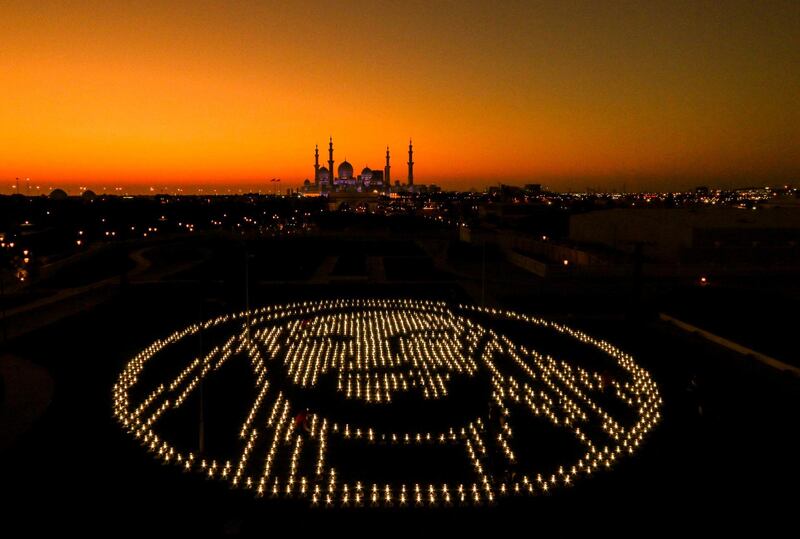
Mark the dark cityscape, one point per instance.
(424, 346)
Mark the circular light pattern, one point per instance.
(333, 382)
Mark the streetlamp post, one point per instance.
(4, 258)
(483, 274)
(2, 301)
(247, 257)
(247, 290)
(201, 431)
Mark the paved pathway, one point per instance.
(730, 345)
(323, 273)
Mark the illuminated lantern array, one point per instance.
(368, 352)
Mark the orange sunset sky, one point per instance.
(644, 94)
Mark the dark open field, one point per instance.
(76, 470)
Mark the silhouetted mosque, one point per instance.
(345, 178)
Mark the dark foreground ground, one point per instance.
(75, 471)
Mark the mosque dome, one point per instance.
(58, 194)
(366, 171)
(345, 171)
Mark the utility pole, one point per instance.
(4, 259)
(2, 298)
(638, 262)
(483, 274)
(202, 423)
(247, 291)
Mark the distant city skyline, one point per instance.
(267, 187)
(607, 95)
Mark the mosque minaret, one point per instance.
(330, 161)
(316, 164)
(387, 169)
(410, 163)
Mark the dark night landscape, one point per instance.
(555, 291)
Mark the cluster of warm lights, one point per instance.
(371, 350)
(357, 345)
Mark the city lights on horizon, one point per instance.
(264, 188)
